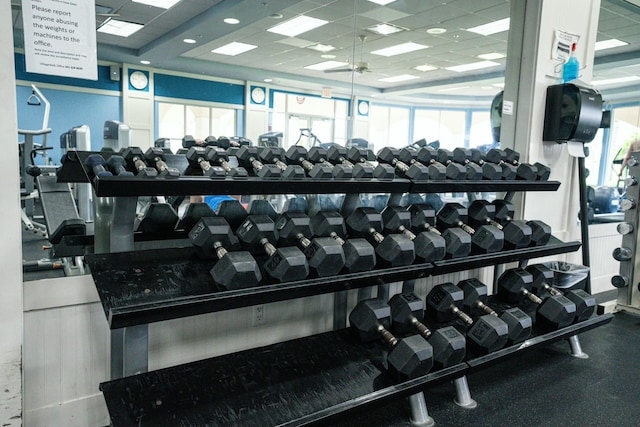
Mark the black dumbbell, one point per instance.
(97, 166)
(456, 242)
(324, 254)
(544, 171)
(197, 158)
(363, 156)
(524, 171)
(232, 211)
(486, 238)
(498, 157)
(218, 156)
(517, 234)
(407, 314)
(462, 156)
(338, 156)
(193, 214)
(490, 171)
(394, 249)
(359, 254)
(188, 141)
(212, 237)
(409, 155)
(286, 264)
(318, 155)
(157, 218)
(297, 155)
(476, 303)
(409, 358)
(486, 334)
(543, 276)
(248, 158)
(155, 156)
(428, 246)
(457, 170)
(275, 155)
(135, 159)
(540, 231)
(555, 312)
(118, 165)
(415, 172)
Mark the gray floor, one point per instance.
(543, 387)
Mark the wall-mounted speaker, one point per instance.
(114, 73)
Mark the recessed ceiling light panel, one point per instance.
(399, 78)
(436, 30)
(326, 65)
(609, 44)
(145, 62)
(605, 82)
(163, 4)
(472, 66)
(491, 56)
(119, 28)
(234, 48)
(327, 56)
(425, 67)
(491, 28)
(231, 21)
(385, 29)
(382, 2)
(322, 47)
(298, 25)
(189, 41)
(399, 49)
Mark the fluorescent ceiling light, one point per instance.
(436, 30)
(145, 62)
(189, 41)
(472, 66)
(382, 2)
(234, 48)
(425, 67)
(232, 21)
(400, 78)
(491, 56)
(119, 28)
(326, 65)
(399, 49)
(385, 29)
(297, 25)
(609, 44)
(322, 47)
(605, 82)
(268, 80)
(491, 28)
(164, 4)
(327, 56)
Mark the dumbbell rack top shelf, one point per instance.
(321, 377)
(72, 170)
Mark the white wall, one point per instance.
(11, 247)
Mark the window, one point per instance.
(388, 127)
(446, 126)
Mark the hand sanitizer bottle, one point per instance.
(571, 67)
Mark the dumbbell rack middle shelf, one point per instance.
(149, 286)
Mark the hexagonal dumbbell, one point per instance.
(297, 155)
(248, 157)
(554, 312)
(97, 166)
(135, 159)
(318, 155)
(486, 238)
(524, 171)
(540, 231)
(394, 250)
(155, 157)
(410, 155)
(462, 156)
(359, 254)
(275, 155)
(324, 254)
(218, 156)
(156, 218)
(498, 157)
(363, 156)
(486, 334)
(194, 212)
(517, 234)
(490, 171)
(409, 358)
(197, 158)
(458, 170)
(476, 302)
(457, 242)
(213, 237)
(543, 276)
(118, 165)
(407, 314)
(428, 246)
(338, 156)
(415, 172)
(286, 264)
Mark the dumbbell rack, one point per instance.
(334, 372)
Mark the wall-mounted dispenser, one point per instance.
(573, 113)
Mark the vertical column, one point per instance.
(256, 110)
(137, 104)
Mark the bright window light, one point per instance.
(297, 25)
(425, 67)
(164, 4)
(322, 47)
(605, 82)
(609, 44)
(491, 56)
(234, 48)
(400, 78)
(326, 65)
(385, 29)
(491, 28)
(472, 66)
(119, 28)
(399, 49)
(382, 2)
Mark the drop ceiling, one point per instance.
(283, 59)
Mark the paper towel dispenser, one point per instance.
(573, 113)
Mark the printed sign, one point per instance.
(60, 37)
(562, 42)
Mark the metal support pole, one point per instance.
(463, 395)
(576, 348)
(419, 414)
(584, 223)
(340, 310)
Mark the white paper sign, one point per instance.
(507, 108)
(60, 37)
(562, 42)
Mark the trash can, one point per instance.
(568, 276)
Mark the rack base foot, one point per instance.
(419, 415)
(463, 395)
(576, 348)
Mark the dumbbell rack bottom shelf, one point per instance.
(305, 381)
